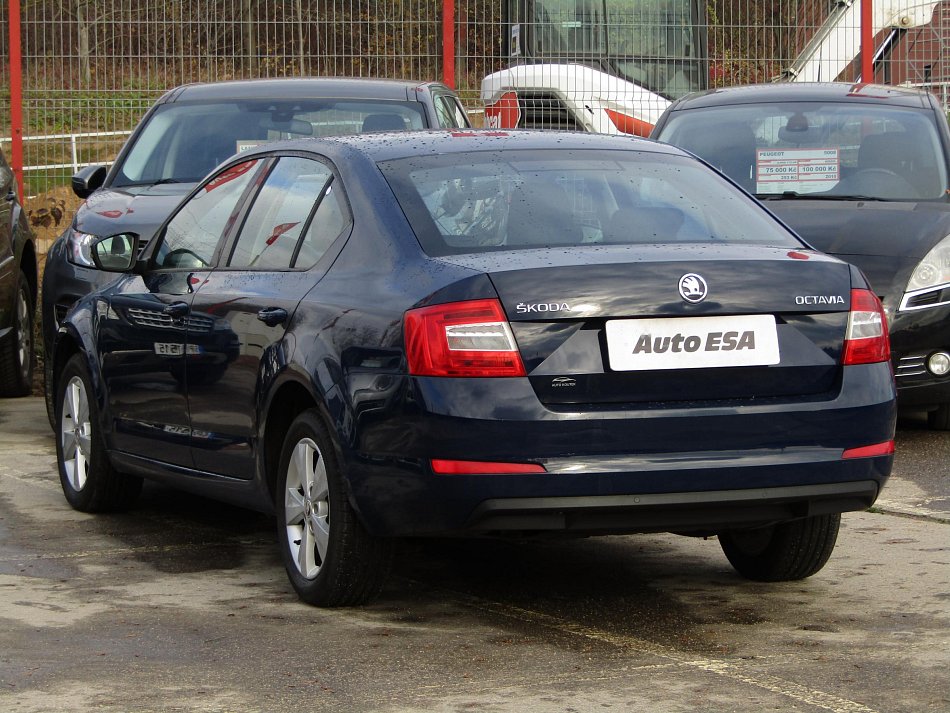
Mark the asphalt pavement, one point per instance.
(182, 605)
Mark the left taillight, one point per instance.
(866, 341)
(470, 338)
(629, 124)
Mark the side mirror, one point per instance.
(116, 253)
(88, 179)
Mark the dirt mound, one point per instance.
(49, 213)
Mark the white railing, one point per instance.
(941, 90)
(75, 165)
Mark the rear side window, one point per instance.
(482, 201)
(281, 212)
(328, 222)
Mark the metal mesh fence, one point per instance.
(92, 67)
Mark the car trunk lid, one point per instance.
(627, 324)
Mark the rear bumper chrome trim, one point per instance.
(700, 459)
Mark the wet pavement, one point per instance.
(182, 605)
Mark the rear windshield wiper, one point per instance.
(795, 195)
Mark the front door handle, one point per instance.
(176, 309)
(272, 316)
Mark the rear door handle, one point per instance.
(272, 316)
(176, 309)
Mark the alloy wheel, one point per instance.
(76, 433)
(24, 334)
(307, 508)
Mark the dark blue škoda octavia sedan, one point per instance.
(472, 332)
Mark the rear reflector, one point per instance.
(866, 341)
(878, 449)
(476, 467)
(469, 338)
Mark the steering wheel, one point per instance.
(880, 173)
(881, 183)
(183, 257)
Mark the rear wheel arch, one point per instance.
(287, 402)
(290, 399)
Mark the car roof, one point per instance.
(403, 144)
(302, 88)
(805, 91)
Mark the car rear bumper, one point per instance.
(696, 499)
(692, 468)
(698, 512)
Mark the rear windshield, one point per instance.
(182, 142)
(822, 149)
(510, 200)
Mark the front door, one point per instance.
(142, 340)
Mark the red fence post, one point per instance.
(448, 42)
(16, 95)
(867, 42)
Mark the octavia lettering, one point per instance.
(712, 342)
(819, 300)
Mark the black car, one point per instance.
(860, 172)
(192, 129)
(18, 283)
(464, 333)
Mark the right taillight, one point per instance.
(470, 338)
(866, 341)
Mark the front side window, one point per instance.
(834, 150)
(193, 234)
(481, 201)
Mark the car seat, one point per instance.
(541, 213)
(898, 152)
(643, 225)
(729, 147)
(383, 122)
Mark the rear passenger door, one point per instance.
(286, 242)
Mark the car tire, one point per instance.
(89, 481)
(939, 418)
(330, 558)
(17, 350)
(783, 552)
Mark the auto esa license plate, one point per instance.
(692, 342)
